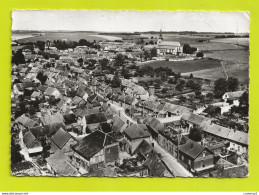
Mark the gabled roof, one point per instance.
(235, 94)
(60, 138)
(59, 162)
(155, 165)
(92, 144)
(226, 133)
(155, 124)
(143, 148)
(194, 118)
(118, 123)
(43, 88)
(135, 132)
(52, 119)
(191, 149)
(95, 98)
(35, 94)
(22, 119)
(50, 91)
(28, 139)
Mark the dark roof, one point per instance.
(53, 128)
(155, 124)
(117, 124)
(59, 162)
(95, 98)
(191, 149)
(155, 165)
(143, 148)
(28, 139)
(231, 172)
(60, 138)
(95, 118)
(135, 132)
(92, 144)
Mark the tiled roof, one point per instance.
(60, 138)
(135, 132)
(191, 149)
(92, 144)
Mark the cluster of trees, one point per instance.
(188, 49)
(116, 81)
(18, 57)
(160, 71)
(195, 134)
(221, 86)
(148, 55)
(243, 107)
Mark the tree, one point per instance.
(197, 93)
(18, 58)
(191, 76)
(119, 60)
(104, 63)
(188, 49)
(15, 153)
(200, 54)
(164, 90)
(41, 77)
(179, 87)
(116, 81)
(244, 103)
(80, 61)
(220, 87)
(147, 55)
(40, 45)
(153, 52)
(195, 134)
(233, 84)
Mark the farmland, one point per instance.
(212, 46)
(238, 56)
(239, 41)
(72, 36)
(240, 71)
(186, 66)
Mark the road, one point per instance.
(175, 167)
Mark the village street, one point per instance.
(175, 167)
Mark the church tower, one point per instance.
(161, 35)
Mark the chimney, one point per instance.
(151, 90)
(192, 145)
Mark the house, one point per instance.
(95, 150)
(52, 119)
(52, 92)
(170, 140)
(233, 97)
(63, 141)
(32, 144)
(134, 134)
(225, 169)
(196, 157)
(154, 125)
(95, 100)
(193, 120)
(143, 149)
(59, 165)
(118, 125)
(238, 140)
(155, 166)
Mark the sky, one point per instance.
(130, 21)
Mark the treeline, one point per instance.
(231, 36)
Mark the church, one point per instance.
(168, 47)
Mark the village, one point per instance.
(94, 108)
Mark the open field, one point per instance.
(72, 36)
(186, 66)
(240, 71)
(213, 46)
(239, 56)
(183, 39)
(239, 41)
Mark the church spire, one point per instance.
(160, 34)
